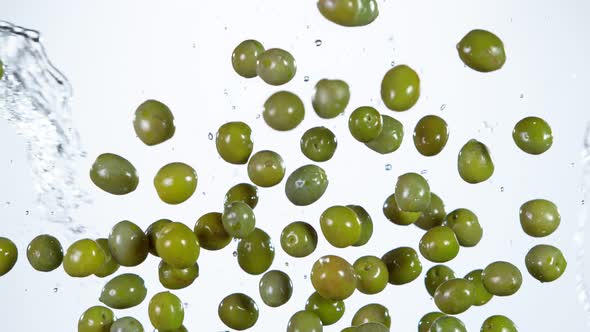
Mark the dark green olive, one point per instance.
(545, 263)
(153, 122)
(439, 244)
(256, 252)
(123, 291)
(210, 232)
(304, 321)
(427, 320)
(533, 135)
(299, 239)
(126, 324)
(96, 319)
(233, 142)
(465, 225)
(349, 13)
(110, 265)
(45, 253)
(333, 278)
(8, 255)
(372, 274)
(153, 233)
(474, 163)
(243, 192)
(539, 217)
(166, 311)
(128, 244)
(433, 215)
(175, 183)
(114, 174)
(431, 135)
(174, 278)
(394, 214)
(400, 88)
(238, 311)
(390, 138)
(178, 245)
(403, 265)
(501, 278)
(245, 56)
(330, 98)
(448, 324)
(328, 311)
(306, 185)
(365, 124)
(482, 51)
(266, 169)
(481, 294)
(283, 111)
(437, 275)
(275, 288)
(412, 192)
(341, 226)
(372, 313)
(371, 327)
(366, 224)
(454, 296)
(238, 219)
(83, 258)
(498, 323)
(276, 66)
(318, 144)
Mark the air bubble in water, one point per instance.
(55, 290)
(286, 263)
(318, 42)
(501, 189)
(388, 167)
(210, 136)
(235, 254)
(393, 63)
(306, 79)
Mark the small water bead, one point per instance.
(257, 116)
(521, 95)
(443, 106)
(424, 171)
(55, 290)
(393, 63)
(318, 42)
(501, 189)
(286, 263)
(225, 92)
(306, 79)
(27, 212)
(210, 136)
(388, 167)
(235, 254)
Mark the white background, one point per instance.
(119, 53)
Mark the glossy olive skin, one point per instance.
(372, 274)
(341, 226)
(448, 324)
(126, 324)
(238, 219)
(390, 138)
(174, 278)
(110, 265)
(439, 244)
(233, 142)
(175, 183)
(474, 163)
(481, 294)
(304, 321)
(403, 264)
(433, 215)
(306, 185)
(466, 226)
(153, 122)
(394, 214)
(243, 192)
(153, 233)
(83, 258)
(330, 98)
(372, 313)
(498, 323)
(454, 296)
(318, 144)
(400, 88)
(349, 13)
(431, 135)
(333, 278)
(180, 329)
(166, 311)
(276, 66)
(427, 320)
(96, 319)
(256, 252)
(128, 244)
(210, 232)
(45, 253)
(275, 288)
(283, 111)
(123, 291)
(545, 263)
(533, 135)
(366, 224)
(437, 275)
(365, 124)
(371, 327)
(482, 51)
(114, 174)
(245, 56)
(266, 168)
(178, 245)
(412, 192)
(501, 278)
(539, 217)
(328, 311)
(299, 239)
(238, 311)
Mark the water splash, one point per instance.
(582, 286)
(35, 99)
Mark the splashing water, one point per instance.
(582, 276)
(35, 99)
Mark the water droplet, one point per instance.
(233, 107)
(583, 202)
(286, 263)
(204, 193)
(443, 106)
(257, 116)
(388, 167)
(7, 203)
(424, 171)
(235, 254)
(393, 63)
(185, 304)
(210, 136)
(194, 45)
(305, 276)
(55, 290)
(307, 26)
(572, 164)
(318, 42)
(27, 212)
(306, 79)
(501, 189)
(225, 92)
(225, 28)
(521, 95)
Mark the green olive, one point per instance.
(153, 233)
(96, 319)
(318, 144)
(412, 192)
(45, 253)
(210, 232)
(330, 98)
(266, 169)
(110, 265)
(299, 239)
(153, 122)
(83, 258)
(403, 265)
(233, 142)
(481, 294)
(366, 224)
(238, 311)
(123, 291)
(372, 274)
(400, 88)
(128, 244)
(243, 192)
(175, 278)
(256, 252)
(166, 311)
(474, 163)
(433, 215)
(1, 69)
(431, 135)
(390, 138)
(372, 313)
(437, 275)
(439, 244)
(365, 124)
(178, 245)
(306, 185)
(448, 324)
(482, 51)
(283, 111)
(349, 13)
(341, 226)
(371, 327)
(454, 296)
(465, 225)
(545, 263)
(275, 288)
(427, 320)
(238, 219)
(333, 278)
(175, 183)
(533, 135)
(498, 323)
(328, 311)
(501, 278)
(114, 174)
(276, 66)
(245, 56)
(126, 324)
(394, 214)
(8, 255)
(304, 321)
(539, 217)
